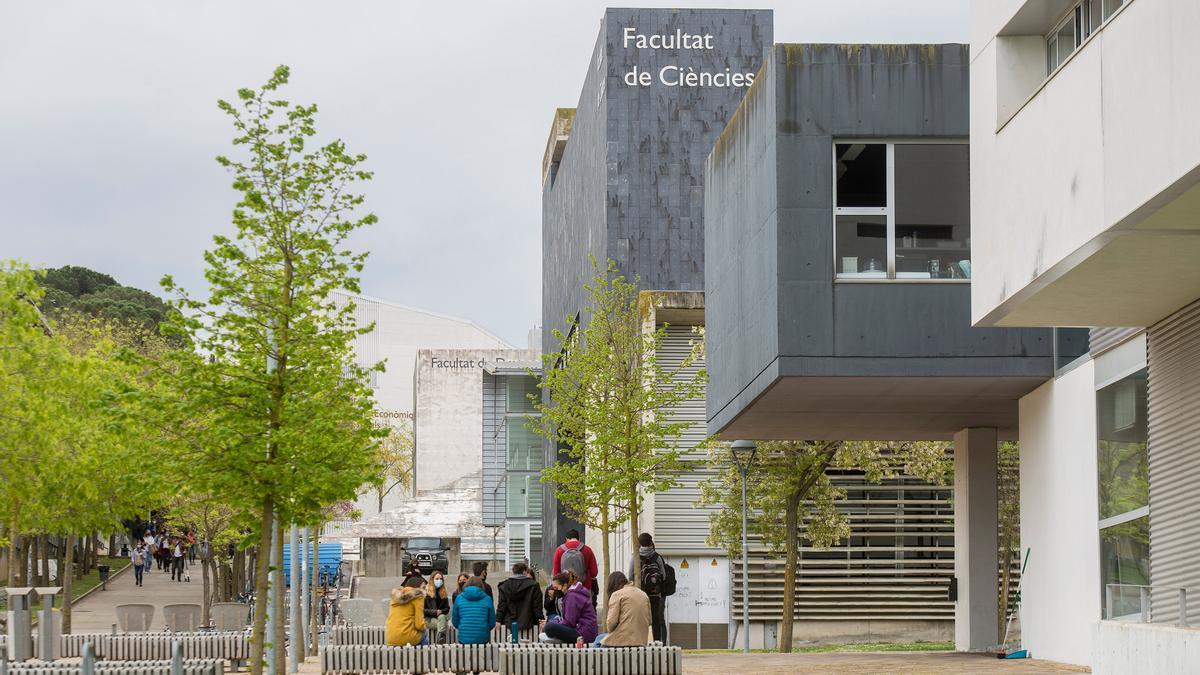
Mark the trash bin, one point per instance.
(103, 569)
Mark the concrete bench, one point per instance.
(182, 618)
(229, 616)
(535, 659)
(374, 635)
(135, 617)
(232, 646)
(190, 667)
(411, 660)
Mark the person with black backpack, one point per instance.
(658, 581)
(576, 556)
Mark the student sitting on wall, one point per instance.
(474, 614)
(628, 614)
(406, 616)
(578, 620)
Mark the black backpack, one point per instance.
(658, 578)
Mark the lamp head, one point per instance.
(743, 453)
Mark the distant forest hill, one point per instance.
(97, 294)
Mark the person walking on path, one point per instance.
(657, 582)
(406, 616)
(177, 552)
(520, 599)
(627, 615)
(437, 606)
(578, 557)
(138, 558)
(474, 614)
(578, 620)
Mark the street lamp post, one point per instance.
(743, 456)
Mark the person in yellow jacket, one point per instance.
(406, 617)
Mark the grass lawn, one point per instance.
(851, 647)
(92, 579)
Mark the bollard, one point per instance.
(20, 624)
(49, 644)
(176, 658)
(88, 660)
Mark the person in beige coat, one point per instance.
(628, 614)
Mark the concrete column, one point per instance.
(975, 539)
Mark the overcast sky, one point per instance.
(109, 126)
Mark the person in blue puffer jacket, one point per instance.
(474, 614)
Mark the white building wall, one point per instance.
(1109, 131)
(399, 333)
(1060, 590)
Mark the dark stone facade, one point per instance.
(630, 184)
(784, 339)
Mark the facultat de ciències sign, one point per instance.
(673, 75)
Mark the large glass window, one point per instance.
(1123, 489)
(902, 211)
(524, 495)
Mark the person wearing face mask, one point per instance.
(437, 607)
(460, 584)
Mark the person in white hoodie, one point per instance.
(138, 557)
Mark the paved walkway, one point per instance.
(866, 664)
(97, 612)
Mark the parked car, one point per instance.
(430, 554)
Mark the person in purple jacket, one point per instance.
(578, 618)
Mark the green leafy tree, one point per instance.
(788, 486)
(213, 522)
(606, 389)
(287, 412)
(394, 457)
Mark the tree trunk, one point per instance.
(316, 576)
(23, 561)
(43, 553)
(259, 628)
(45, 544)
(35, 561)
(112, 545)
(68, 572)
(634, 505)
(14, 539)
(606, 552)
(280, 615)
(791, 528)
(206, 603)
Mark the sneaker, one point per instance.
(545, 639)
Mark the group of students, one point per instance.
(420, 608)
(168, 551)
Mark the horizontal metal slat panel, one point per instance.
(1173, 453)
(1103, 339)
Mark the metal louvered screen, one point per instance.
(1101, 340)
(1173, 360)
(680, 527)
(896, 564)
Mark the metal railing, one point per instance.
(1136, 603)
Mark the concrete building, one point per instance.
(401, 331)
(623, 179)
(453, 438)
(838, 277)
(1086, 213)
(623, 172)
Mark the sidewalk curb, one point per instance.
(99, 587)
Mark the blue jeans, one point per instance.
(424, 639)
(137, 574)
(561, 631)
(598, 644)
